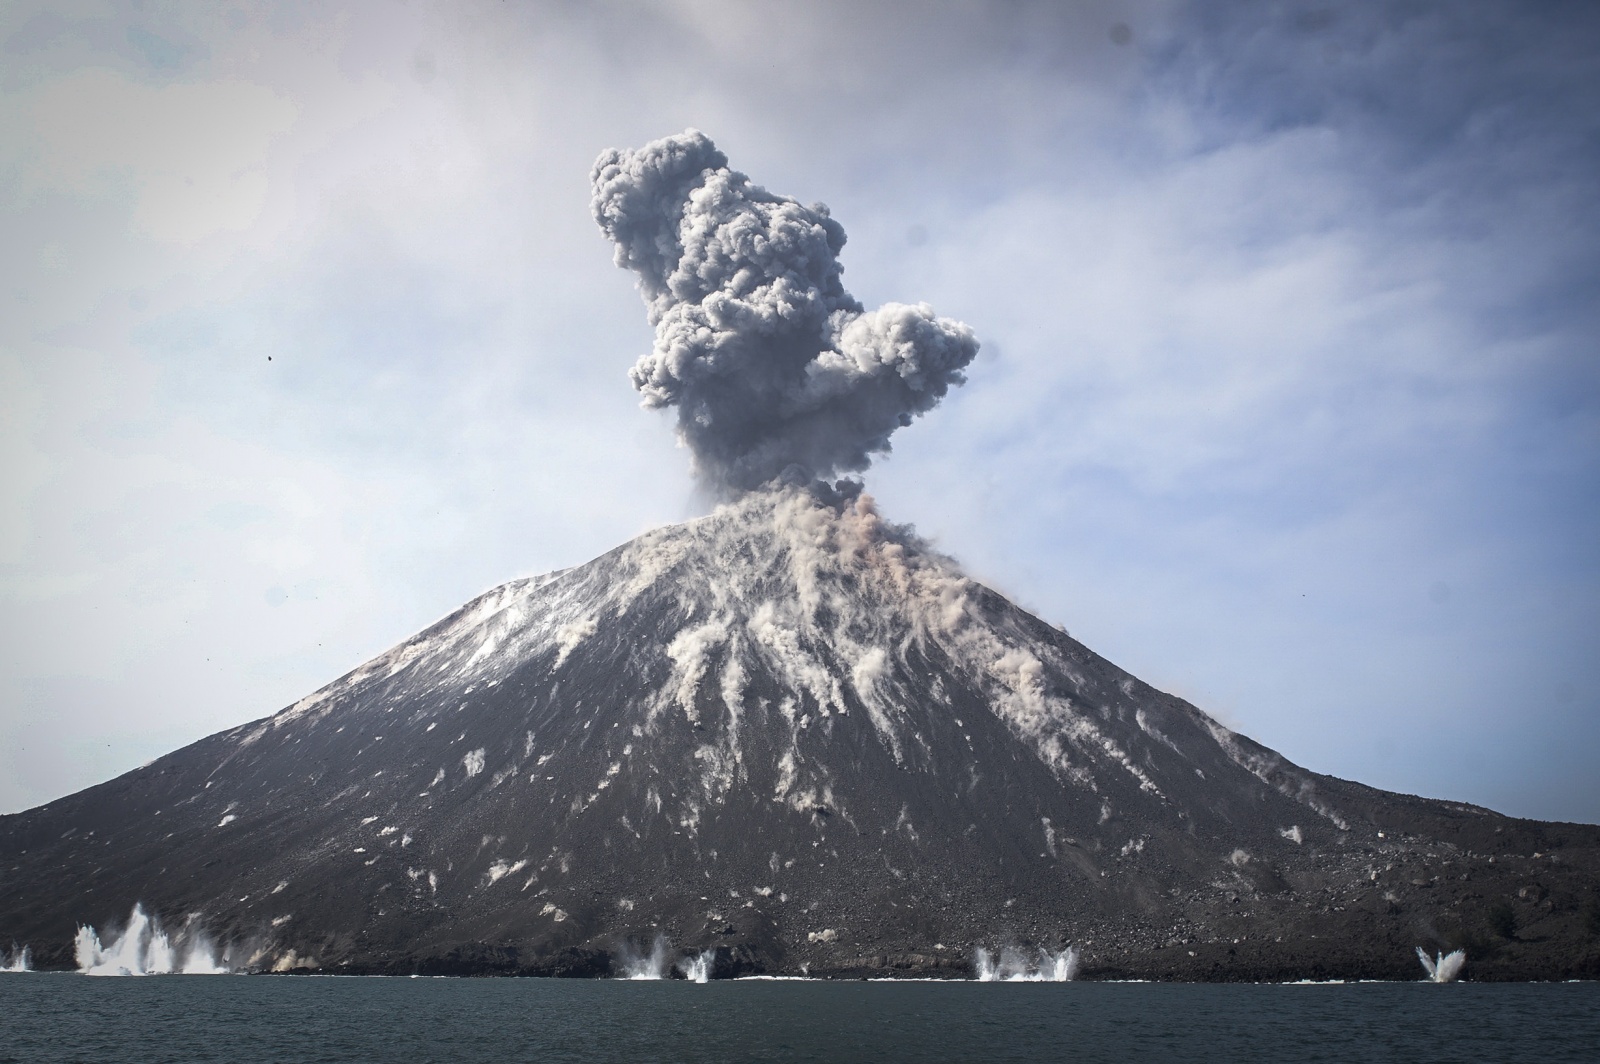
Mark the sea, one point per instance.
(309, 1019)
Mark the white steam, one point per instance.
(20, 959)
(1013, 966)
(143, 948)
(1443, 968)
(770, 362)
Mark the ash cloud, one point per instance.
(769, 361)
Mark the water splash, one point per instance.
(1063, 966)
(144, 948)
(202, 957)
(1443, 968)
(697, 969)
(653, 965)
(1013, 966)
(19, 960)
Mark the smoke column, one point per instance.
(770, 362)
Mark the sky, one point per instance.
(1288, 399)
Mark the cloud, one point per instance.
(191, 156)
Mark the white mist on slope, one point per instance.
(1013, 966)
(144, 948)
(1443, 968)
(19, 960)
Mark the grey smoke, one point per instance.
(770, 362)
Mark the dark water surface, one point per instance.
(258, 1019)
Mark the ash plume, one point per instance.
(770, 362)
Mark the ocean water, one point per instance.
(51, 1017)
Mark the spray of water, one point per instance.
(1444, 967)
(144, 948)
(19, 960)
(697, 969)
(637, 964)
(201, 955)
(1014, 966)
(1063, 966)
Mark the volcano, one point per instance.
(788, 737)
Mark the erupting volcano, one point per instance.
(786, 737)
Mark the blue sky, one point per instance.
(1289, 400)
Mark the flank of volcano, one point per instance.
(792, 734)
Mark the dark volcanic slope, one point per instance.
(789, 731)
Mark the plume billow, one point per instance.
(769, 360)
